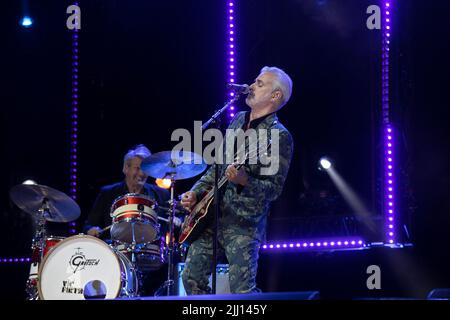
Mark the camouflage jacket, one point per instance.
(244, 210)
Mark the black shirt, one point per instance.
(255, 122)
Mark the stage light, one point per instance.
(26, 22)
(325, 163)
(163, 183)
(29, 182)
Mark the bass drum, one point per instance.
(84, 267)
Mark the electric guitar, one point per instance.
(197, 220)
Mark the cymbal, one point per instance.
(30, 198)
(182, 165)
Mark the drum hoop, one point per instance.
(133, 195)
(81, 236)
(137, 250)
(131, 214)
(147, 251)
(55, 238)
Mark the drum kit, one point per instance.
(85, 267)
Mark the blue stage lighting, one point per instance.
(26, 22)
(325, 163)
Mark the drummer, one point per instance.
(135, 182)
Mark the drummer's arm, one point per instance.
(98, 213)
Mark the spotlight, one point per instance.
(163, 183)
(324, 163)
(29, 182)
(26, 21)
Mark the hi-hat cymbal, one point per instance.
(180, 165)
(31, 198)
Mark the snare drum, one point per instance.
(134, 214)
(83, 267)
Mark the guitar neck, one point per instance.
(221, 182)
(224, 179)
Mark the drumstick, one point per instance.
(163, 219)
(104, 229)
(167, 220)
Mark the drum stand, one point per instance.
(132, 249)
(37, 249)
(169, 283)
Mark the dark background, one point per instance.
(147, 68)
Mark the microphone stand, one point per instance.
(216, 191)
(218, 113)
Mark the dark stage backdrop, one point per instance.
(148, 68)
(35, 110)
(334, 63)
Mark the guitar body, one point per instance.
(195, 222)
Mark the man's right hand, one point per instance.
(94, 231)
(188, 200)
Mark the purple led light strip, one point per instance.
(329, 244)
(231, 50)
(74, 123)
(13, 260)
(388, 131)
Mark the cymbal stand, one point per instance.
(169, 283)
(37, 249)
(132, 249)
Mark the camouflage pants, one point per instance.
(242, 255)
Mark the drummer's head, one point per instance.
(134, 176)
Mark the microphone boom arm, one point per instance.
(218, 113)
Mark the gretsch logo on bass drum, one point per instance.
(79, 262)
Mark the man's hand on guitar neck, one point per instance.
(188, 200)
(236, 176)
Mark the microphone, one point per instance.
(239, 88)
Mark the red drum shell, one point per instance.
(134, 214)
